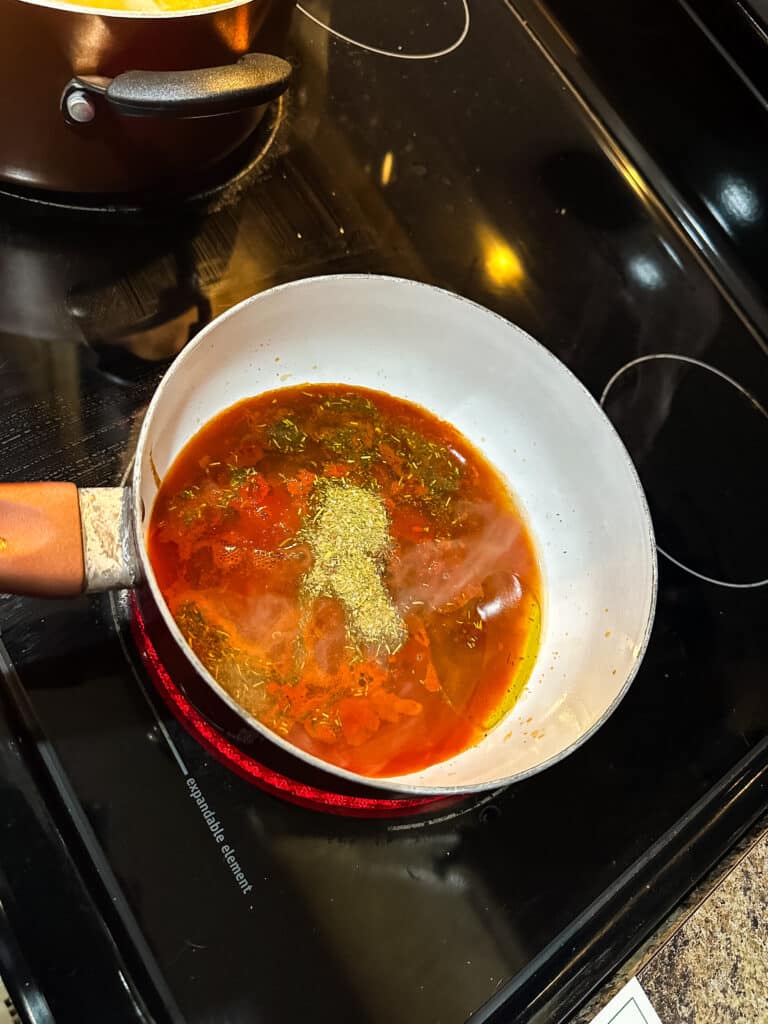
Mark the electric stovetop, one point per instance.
(428, 139)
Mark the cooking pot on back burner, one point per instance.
(101, 100)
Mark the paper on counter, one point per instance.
(629, 1006)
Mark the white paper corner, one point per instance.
(629, 1006)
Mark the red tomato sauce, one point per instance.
(353, 572)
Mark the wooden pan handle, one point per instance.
(41, 545)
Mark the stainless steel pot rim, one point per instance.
(109, 12)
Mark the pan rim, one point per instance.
(390, 784)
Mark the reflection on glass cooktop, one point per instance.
(476, 170)
(627, 60)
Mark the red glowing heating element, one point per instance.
(247, 767)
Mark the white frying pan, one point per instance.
(510, 396)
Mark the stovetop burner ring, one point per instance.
(399, 55)
(211, 739)
(758, 407)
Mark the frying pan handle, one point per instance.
(255, 79)
(41, 550)
(56, 541)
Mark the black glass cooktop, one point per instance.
(429, 139)
(683, 86)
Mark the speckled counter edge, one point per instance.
(641, 961)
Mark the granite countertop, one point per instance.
(708, 963)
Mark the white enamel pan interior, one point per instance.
(529, 415)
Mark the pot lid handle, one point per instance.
(254, 79)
